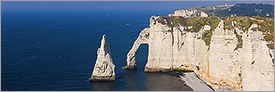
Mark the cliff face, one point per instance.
(188, 13)
(258, 64)
(234, 56)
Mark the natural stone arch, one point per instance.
(143, 38)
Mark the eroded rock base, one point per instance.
(102, 78)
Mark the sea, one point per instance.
(52, 46)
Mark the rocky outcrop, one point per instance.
(236, 58)
(188, 13)
(143, 38)
(258, 68)
(173, 44)
(104, 68)
(203, 14)
(224, 62)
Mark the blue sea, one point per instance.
(53, 45)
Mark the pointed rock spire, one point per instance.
(104, 68)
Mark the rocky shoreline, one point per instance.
(194, 82)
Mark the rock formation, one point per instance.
(223, 53)
(142, 39)
(258, 68)
(203, 14)
(189, 13)
(104, 68)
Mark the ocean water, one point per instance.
(53, 45)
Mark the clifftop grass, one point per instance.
(197, 23)
(244, 22)
(266, 25)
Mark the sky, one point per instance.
(114, 5)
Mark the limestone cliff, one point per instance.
(142, 39)
(188, 13)
(104, 68)
(235, 52)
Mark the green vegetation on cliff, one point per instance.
(206, 36)
(240, 41)
(196, 23)
(242, 22)
(266, 25)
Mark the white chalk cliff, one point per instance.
(224, 63)
(104, 68)
(188, 13)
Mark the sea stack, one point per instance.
(104, 69)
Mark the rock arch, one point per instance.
(131, 56)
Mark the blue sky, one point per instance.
(95, 5)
